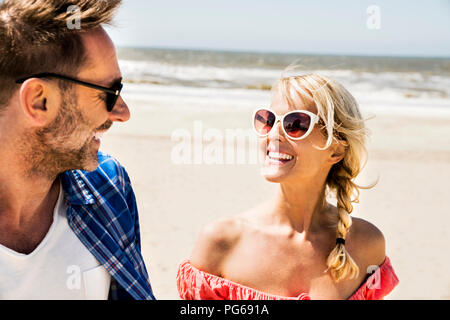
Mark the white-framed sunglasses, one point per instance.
(296, 124)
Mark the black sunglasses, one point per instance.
(112, 94)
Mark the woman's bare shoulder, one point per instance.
(215, 241)
(368, 241)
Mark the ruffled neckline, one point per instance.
(240, 291)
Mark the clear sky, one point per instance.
(406, 28)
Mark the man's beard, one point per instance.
(52, 153)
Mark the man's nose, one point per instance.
(120, 112)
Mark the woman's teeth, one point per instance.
(280, 156)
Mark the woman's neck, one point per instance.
(300, 205)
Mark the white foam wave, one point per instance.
(389, 85)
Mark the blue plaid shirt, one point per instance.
(103, 214)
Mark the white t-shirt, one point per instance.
(59, 268)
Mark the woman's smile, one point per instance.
(278, 158)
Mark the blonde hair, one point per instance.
(341, 122)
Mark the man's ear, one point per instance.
(33, 98)
(338, 150)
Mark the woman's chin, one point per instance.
(275, 172)
(274, 179)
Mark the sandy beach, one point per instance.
(409, 151)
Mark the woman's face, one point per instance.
(305, 161)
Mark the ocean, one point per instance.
(222, 88)
(391, 76)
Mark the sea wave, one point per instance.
(402, 84)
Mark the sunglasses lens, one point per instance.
(111, 100)
(296, 124)
(264, 121)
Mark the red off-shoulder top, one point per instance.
(194, 284)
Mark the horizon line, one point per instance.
(282, 53)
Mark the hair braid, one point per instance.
(339, 261)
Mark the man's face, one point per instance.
(72, 140)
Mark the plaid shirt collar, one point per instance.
(102, 213)
(79, 193)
